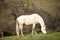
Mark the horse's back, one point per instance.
(29, 18)
(23, 16)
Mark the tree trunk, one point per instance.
(2, 34)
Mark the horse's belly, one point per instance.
(28, 22)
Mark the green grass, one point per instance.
(50, 36)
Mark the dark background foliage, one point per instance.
(11, 9)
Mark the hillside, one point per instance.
(40, 36)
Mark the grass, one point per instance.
(51, 36)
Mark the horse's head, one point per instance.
(43, 29)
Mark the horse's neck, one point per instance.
(42, 22)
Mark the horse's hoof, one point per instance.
(22, 35)
(35, 33)
(18, 36)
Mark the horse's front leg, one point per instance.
(21, 29)
(35, 32)
(33, 28)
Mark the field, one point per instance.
(40, 36)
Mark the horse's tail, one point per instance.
(17, 28)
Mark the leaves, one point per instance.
(48, 9)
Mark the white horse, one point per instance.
(27, 20)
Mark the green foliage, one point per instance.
(51, 36)
(48, 9)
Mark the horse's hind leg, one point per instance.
(21, 29)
